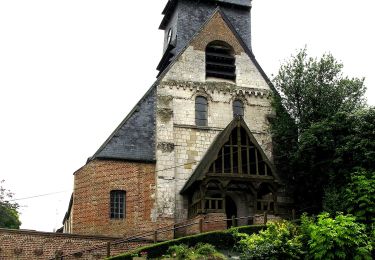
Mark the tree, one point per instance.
(313, 89)
(9, 216)
(322, 130)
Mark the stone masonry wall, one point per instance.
(176, 128)
(91, 198)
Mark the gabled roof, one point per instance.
(210, 156)
(239, 39)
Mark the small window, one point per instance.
(238, 108)
(117, 204)
(169, 36)
(201, 109)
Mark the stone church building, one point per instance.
(197, 144)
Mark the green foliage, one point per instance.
(322, 130)
(313, 89)
(9, 216)
(333, 200)
(219, 239)
(281, 240)
(199, 251)
(179, 251)
(336, 238)
(359, 196)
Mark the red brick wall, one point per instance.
(214, 221)
(91, 199)
(22, 245)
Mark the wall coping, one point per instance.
(53, 234)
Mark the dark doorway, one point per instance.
(230, 210)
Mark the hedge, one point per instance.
(220, 239)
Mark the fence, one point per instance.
(194, 226)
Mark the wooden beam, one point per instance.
(248, 156)
(222, 161)
(231, 155)
(239, 149)
(256, 161)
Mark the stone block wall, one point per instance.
(175, 124)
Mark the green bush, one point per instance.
(220, 239)
(200, 251)
(338, 238)
(281, 240)
(360, 196)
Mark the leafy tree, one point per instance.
(329, 153)
(336, 238)
(313, 89)
(9, 216)
(322, 130)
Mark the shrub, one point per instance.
(200, 251)
(339, 238)
(281, 240)
(360, 196)
(220, 239)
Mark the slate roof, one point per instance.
(200, 171)
(134, 138)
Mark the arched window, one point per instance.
(238, 108)
(117, 202)
(220, 61)
(201, 111)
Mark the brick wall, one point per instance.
(91, 199)
(22, 245)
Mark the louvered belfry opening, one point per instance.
(220, 61)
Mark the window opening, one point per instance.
(117, 202)
(201, 111)
(238, 108)
(220, 61)
(239, 155)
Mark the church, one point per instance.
(197, 144)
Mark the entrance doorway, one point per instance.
(230, 210)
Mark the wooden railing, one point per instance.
(154, 235)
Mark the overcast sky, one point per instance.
(71, 70)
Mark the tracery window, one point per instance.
(117, 204)
(239, 155)
(201, 111)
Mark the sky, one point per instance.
(71, 70)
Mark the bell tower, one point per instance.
(183, 19)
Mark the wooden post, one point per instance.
(265, 217)
(233, 221)
(293, 214)
(108, 249)
(155, 236)
(201, 225)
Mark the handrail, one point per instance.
(160, 230)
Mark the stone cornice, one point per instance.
(220, 87)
